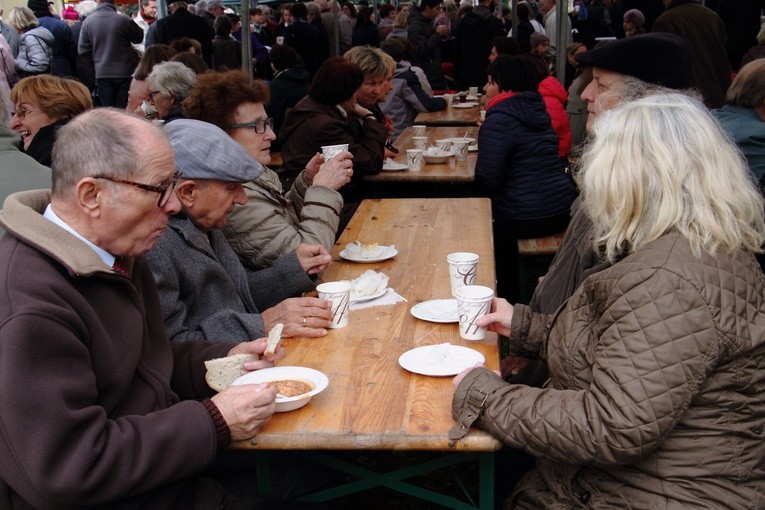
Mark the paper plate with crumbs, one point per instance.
(367, 253)
(440, 360)
(437, 310)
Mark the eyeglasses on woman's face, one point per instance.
(258, 125)
(165, 191)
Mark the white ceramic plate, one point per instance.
(464, 105)
(440, 360)
(473, 148)
(437, 310)
(361, 299)
(317, 379)
(392, 166)
(386, 254)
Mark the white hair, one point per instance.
(85, 8)
(661, 164)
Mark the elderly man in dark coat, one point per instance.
(181, 23)
(205, 291)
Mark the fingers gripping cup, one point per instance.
(339, 294)
(330, 151)
(414, 159)
(463, 267)
(473, 301)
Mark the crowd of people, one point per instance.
(146, 231)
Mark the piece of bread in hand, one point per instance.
(221, 372)
(274, 337)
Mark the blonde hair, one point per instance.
(22, 18)
(372, 61)
(661, 164)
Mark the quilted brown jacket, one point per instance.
(657, 393)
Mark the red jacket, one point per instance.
(555, 98)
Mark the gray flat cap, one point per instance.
(214, 3)
(205, 151)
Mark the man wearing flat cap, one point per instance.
(623, 70)
(205, 291)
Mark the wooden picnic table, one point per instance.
(452, 171)
(451, 116)
(371, 402)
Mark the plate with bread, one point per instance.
(370, 285)
(367, 253)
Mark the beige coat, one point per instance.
(657, 396)
(272, 224)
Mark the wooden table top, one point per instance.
(452, 171)
(451, 116)
(372, 403)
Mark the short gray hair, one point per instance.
(99, 141)
(172, 78)
(85, 8)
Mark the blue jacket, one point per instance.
(518, 165)
(748, 132)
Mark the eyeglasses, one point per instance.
(21, 113)
(151, 95)
(259, 125)
(164, 191)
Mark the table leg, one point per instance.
(486, 481)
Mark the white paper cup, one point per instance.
(339, 293)
(449, 98)
(483, 115)
(330, 151)
(473, 301)
(444, 145)
(463, 267)
(420, 142)
(473, 92)
(414, 159)
(418, 130)
(461, 149)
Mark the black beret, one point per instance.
(38, 5)
(658, 58)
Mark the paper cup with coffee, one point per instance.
(473, 301)
(418, 130)
(330, 151)
(463, 268)
(461, 149)
(339, 294)
(420, 142)
(444, 145)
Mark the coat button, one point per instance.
(584, 496)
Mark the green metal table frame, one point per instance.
(368, 479)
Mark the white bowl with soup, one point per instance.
(295, 385)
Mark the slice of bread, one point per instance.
(221, 372)
(274, 337)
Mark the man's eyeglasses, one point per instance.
(151, 95)
(259, 125)
(164, 191)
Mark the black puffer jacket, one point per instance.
(518, 165)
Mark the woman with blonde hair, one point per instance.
(35, 42)
(657, 394)
(42, 105)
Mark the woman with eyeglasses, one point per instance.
(169, 84)
(272, 223)
(42, 104)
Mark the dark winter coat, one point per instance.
(472, 44)
(427, 48)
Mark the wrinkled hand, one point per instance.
(312, 168)
(291, 312)
(442, 30)
(389, 154)
(500, 317)
(388, 122)
(313, 258)
(246, 408)
(336, 172)
(257, 347)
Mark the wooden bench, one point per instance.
(534, 257)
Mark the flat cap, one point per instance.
(205, 151)
(214, 3)
(657, 58)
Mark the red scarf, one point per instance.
(499, 98)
